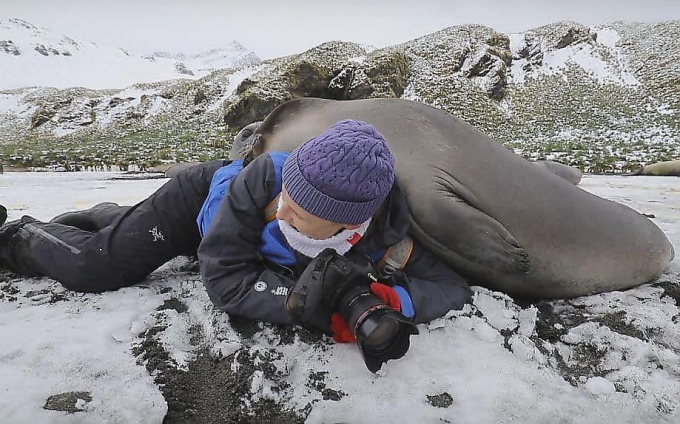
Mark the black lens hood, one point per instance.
(397, 348)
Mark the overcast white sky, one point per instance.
(274, 28)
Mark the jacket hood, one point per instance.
(390, 226)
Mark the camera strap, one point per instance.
(395, 258)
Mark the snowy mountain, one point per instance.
(233, 56)
(34, 56)
(603, 98)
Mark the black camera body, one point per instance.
(343, 284)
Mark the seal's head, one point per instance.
(336, 180)
(244, 142)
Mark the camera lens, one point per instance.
(382, 333)
(382, 336)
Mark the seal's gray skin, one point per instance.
(489, 213)
(568, 173)
(178, 168)
(243, 141)
(669, 168)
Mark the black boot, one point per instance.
(3, 214)
(93, 219)
(14, 248)
(7, 231)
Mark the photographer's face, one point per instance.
(307, 224)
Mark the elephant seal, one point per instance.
(175, 169)
(490, 214)
(243, 143)
(243, 140)
(668, 168)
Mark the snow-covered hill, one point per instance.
(32, 56)
(604, 98)
(201, 64)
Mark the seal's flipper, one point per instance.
(454, 229)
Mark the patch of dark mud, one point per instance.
(67, 402)
(616, 321)
(195, 335)
(556, 318)
(212, 390)
(58, 297)
(552, 325)
(334, 395)
(507, 335)
(54, 297)
(8, 290)
(174, 304)
(663, 406)
(585, 361)
(585, 358)
(671, 290)
(151, 352)
(317, 381)
(7, 275)
(442, 400)
(247, 328)
(287, 335)
(33, 293)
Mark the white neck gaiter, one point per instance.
(341, 242)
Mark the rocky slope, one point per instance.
(604, 98)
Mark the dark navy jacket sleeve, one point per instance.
(233, 271)
(434, 288)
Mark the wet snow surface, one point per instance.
(157, 349)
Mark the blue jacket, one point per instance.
(248, 267)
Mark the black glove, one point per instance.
(318, 291)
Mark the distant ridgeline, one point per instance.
(603, 98)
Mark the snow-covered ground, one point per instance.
(613, 357)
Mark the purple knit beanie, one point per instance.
(342, 175)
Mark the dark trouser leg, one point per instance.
(93, 219)
(122, 254)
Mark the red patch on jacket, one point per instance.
(354, 239)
